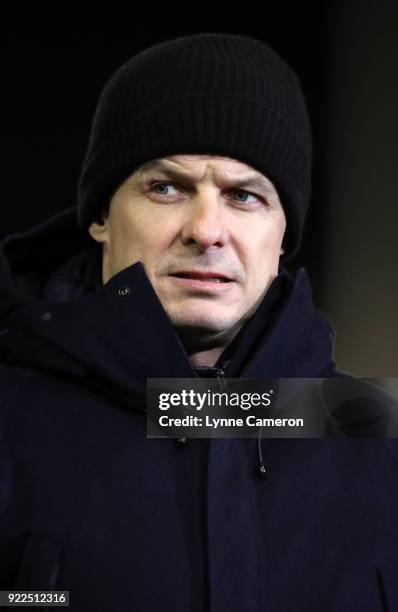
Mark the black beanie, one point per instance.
(216, 94)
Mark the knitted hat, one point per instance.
(216, 94)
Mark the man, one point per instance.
(194, 187)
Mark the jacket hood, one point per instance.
(56, 316)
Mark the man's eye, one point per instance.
(244, 197)
(164, 189)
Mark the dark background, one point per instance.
(346, 57)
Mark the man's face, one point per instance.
(208, 231)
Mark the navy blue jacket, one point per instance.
(89, 504)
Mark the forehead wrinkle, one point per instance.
(168, 167)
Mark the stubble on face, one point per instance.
(184, 213)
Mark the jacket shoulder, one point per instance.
(365, 405)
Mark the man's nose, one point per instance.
(205, 222)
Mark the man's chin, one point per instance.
(201, 323)
(205, 331)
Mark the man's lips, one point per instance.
(202, 275)
(208, 282)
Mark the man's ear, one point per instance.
(99, 228)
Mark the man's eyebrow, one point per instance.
(249, 181)
(253, 182)
(162, 166)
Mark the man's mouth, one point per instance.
(209, 277)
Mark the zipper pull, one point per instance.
(221, 379)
